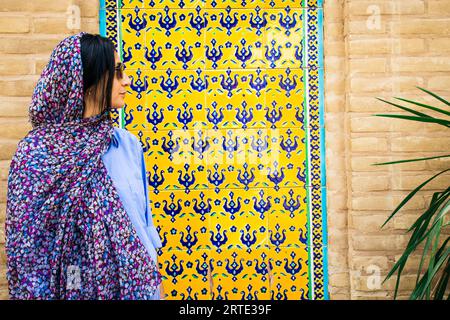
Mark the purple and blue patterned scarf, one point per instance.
(67, 233)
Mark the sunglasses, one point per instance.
(119, 69)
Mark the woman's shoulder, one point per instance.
(124, 136)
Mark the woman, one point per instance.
(78, 224)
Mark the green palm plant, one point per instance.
(430, 230)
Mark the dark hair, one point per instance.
(97, 56)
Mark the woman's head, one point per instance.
(104, 80)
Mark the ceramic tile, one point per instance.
(133, 23)
(285, 86)
(166, 100)
(181, 219)
(284, 46)
(288, 218)
(240, 275)
(289, 273)
(239, 219)
(171, 162)
(175, 39)
(249, 158)
(186, 275)
(236, 99)
(234, 39)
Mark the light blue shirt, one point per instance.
(125, 163)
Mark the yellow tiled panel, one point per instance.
(217, 101)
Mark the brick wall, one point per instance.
(372, 49)
(379, 49)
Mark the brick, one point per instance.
(52, 25)
(334, 121)
(50, 5)
(438, 83)
(14, 5)
(2, 255)
(4, 294)
(366, 164)
(339, 239)
(393, 83)
(335, 12)
(337, 259)
(90, 25)
(370, 183)
(14, 24)
(369, 124)
(389, 46)
(369, 224)
(334, 103)
(337, 219)
(384, 202)
(400, 125)
(404, 221)
(410, 182)
(17, 88)
(372, 203)
(7, 148)
(438, 164)
(3, 190)
(421, 26)
(4, 169)
(337, 180)
(14, 128)
(417, 143)
(369, 8)
(334, 48)
(2, 232)
(340, 296)
(27, 45)
(420, 64)
(334, 30)
(364, 295)
(10, 67)
(439, 45)
(379, 242)
(2, 212)
(371, 65)
(439, 8)
(367, 27)
(368, 283)
(358, 103)
(339, 201)
(412, 264)
(14, 107)
(40, 65)
(363, 263)
(88, 8)
(369, 144)
(340, 279)
(335, 82)
(334, 64)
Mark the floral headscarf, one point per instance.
(68, 235)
